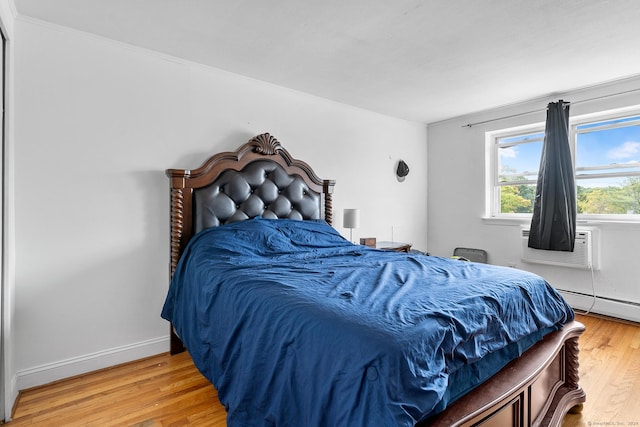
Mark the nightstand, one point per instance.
(394, 246)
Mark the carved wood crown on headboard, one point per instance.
(218, 177)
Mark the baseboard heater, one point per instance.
(581, 257)
(598, 297)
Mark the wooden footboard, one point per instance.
(537, 389)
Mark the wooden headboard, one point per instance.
(258, 179)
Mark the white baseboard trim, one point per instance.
(609, 307)
(50, 372)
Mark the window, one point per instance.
(606, 154)
(518, 159)
(607, 163)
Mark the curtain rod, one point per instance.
(468, 125)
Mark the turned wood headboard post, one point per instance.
(327, 187)
(176, 226)
(180, 206)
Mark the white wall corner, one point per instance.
(9, 13)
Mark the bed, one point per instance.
(295, 325)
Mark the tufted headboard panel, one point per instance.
(262, 188)
(258, 179)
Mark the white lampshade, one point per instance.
(351, 218)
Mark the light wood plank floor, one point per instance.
(169, 391)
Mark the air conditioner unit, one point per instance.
(581, 257)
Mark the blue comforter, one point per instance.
(296, 326)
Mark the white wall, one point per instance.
(456, 203)
(97, 123)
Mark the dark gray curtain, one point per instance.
(553, 226)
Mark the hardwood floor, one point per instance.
(609, 374)
(168, 391)
(158, 391)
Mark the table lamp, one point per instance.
(351, 220)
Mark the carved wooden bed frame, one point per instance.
(537, 389)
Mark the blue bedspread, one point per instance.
(296, 326)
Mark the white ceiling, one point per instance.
(420, 60)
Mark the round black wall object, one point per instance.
(402, 170)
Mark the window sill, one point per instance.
(524, 221)
(492, 220)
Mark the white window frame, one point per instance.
(493, 202)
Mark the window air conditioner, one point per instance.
(581, 257)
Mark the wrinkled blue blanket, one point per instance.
(296, 326)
